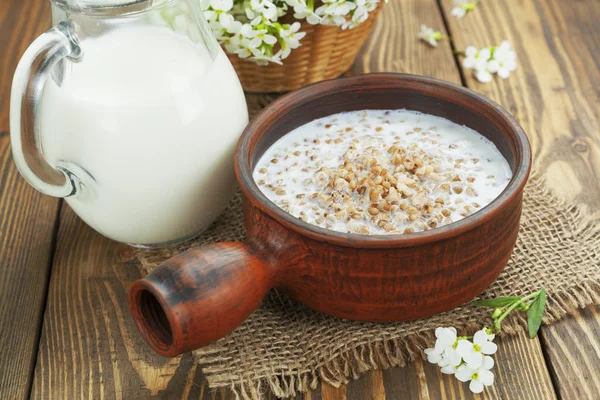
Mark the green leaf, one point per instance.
(535, 313)
(496, 302)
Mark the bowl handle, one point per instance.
(198, 296)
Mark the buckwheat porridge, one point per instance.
(382, 172)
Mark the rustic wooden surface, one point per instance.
(89, 347)
(27, 220)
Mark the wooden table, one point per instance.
(65, 330)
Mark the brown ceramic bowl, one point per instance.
(201, 295)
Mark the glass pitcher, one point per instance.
(131, 111)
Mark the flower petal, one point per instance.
(254, 43)
(464, 347)
(489, 347)
(486, 377)
(473, 360)
(448, 370)
(433, 356)
(480, 338)
(510, 65)
(471, 51)
(464, 373)
(447, 337)
(270, 39)
(493, 66)
(488, 362)
(483, 76)
(469, 62)
(481, 64)
(454, 358)
(440, 346)
(476, 386)
(485, 53)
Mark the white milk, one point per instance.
(155, 121)
(290, 172)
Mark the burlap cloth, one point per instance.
(287, 348)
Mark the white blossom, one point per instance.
(333, 20)
(473, 353)
(476, 59)
(458, 12)
(501, 60)
(449, 369)
(291, 39)
(468, 361)
(221, 5)
(429, 35)
(460, 8)
(363, 7)
(504, 60)
(252, 28)
(303, 12)
(479, 61)
(244, 49)
(219, 31)
(263, 59)
(479, 377)
(483, 75)
(444, 353)
(291, 36)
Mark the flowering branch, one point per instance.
(462, 7)
(251, 28)
(501, 60)
(430, 36)
(471, 361)
(533, 303)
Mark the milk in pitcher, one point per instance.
(154, 121)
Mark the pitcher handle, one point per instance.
(27, 88)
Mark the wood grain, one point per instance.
(27, 220)
(554, 91)
(572, 347)
(520, 374)
(554, 94)
(89, 349)
(395, 47)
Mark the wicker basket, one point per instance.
(326, 52)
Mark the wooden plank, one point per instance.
(554, 91)
(89, 346)
(572, 347)
(394, 47)
(27, 219)
(520, 373)
(554, 94)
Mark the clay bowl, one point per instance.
(201, 295)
